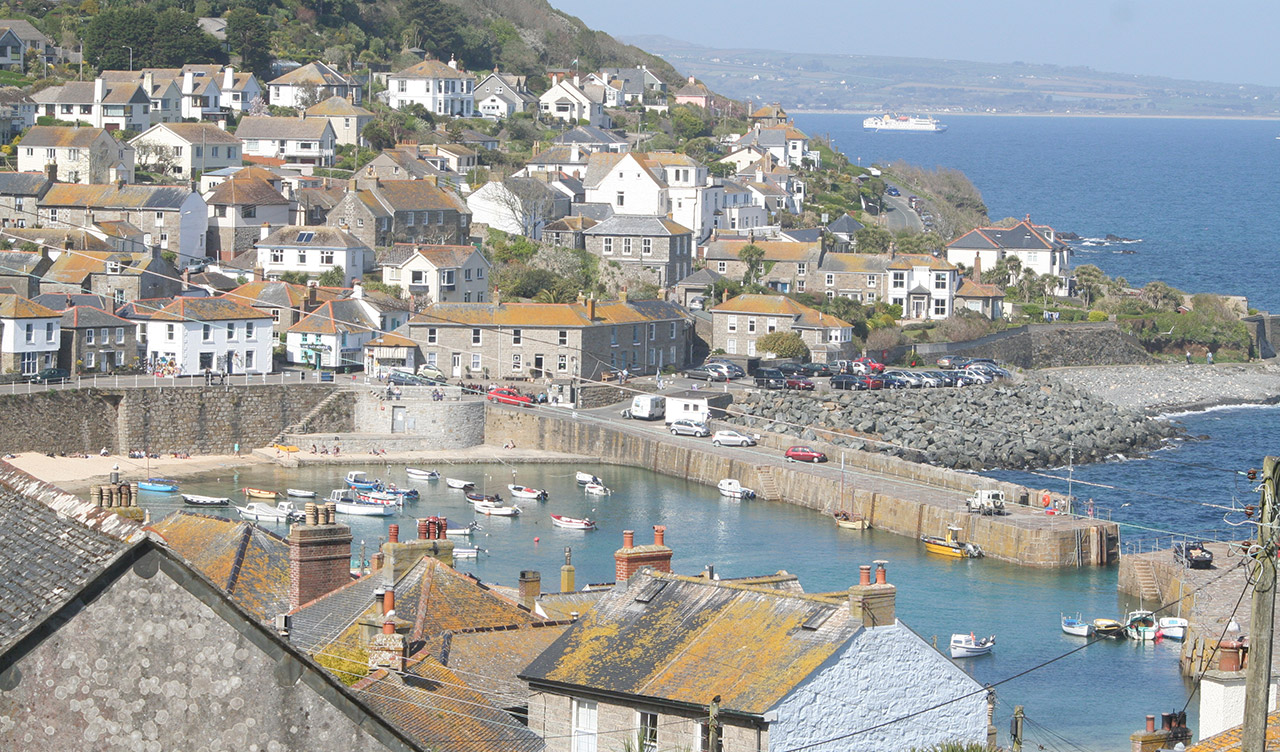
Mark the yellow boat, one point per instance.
(951, 545)
(258, 493)
(850, 521)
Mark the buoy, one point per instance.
(536, 540)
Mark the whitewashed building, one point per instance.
(81, 155)
(438, 273)
(923, 285)
(1034, 246)
(568, 100)
(194, 334)
(311, 84)
(313, 250)
(112, 105)
(439, 87)
(30, 335)
(309, 141)
(334, 335)
(185, 149)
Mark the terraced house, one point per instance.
(650, 249)
(116, 276)
(738, 323)
(95, 340)
(787, 266)
(382, 212)
(171, 218)
(211, 333)
(585, 339)
(281, 140)
(30, 336)
(333, 335)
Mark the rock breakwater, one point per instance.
(1038, 422)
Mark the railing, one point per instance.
(1156, 543)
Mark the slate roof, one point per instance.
(633, 224)
(316, 624)
(337, 107)
(589, 135)
(845, 224)
(20, 262)
(326, 198)
(595, 211)
(1022, 236)
(908, 261)
(316, 73)
(489, 659)
(683, 639)
(72, 268)
(1231, 739)
(268, 294)
(809, 235)
(248, 562)
(23, 183)
(82, 92)
(61, 136)
(319, 236)
(89, 317)
(61, 301)
(143, 309)
(693, 90)
(58, 238)
(873, 263)
(778, 305)
(283, 128)
(196, 133)
(558, 155)
(431, 69)
(219, 282)
(971, 289)
(571, 224)
(347, 315)
(48, 559)
(564, 315)
(246, 191)
(116, 197)
(418, 195)
(560, 606)
(701, 278)
(194, 310)
(439, 256)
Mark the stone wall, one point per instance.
(1048, 346)
(69, 420)
(444, 424)
(590, 397)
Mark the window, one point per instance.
(626, 246)
(771, 325)
(466, 275)
(326, 258)
(732, 323)
(431, 335)
(751, 325)
(831, 280)
(731, 346)
(622, 197)
(751, 347)
(801, 268)
(89, 359)
(475, 361)
(275, 315)
(466, 297)
(446, 278)
(119, 358)
(563, 337)
(899, 279)
(302, 258)
(169, 332)
(159, 218)
(646, 246)
(635, 334)
(231, 331)
(408, 219)
(940, 307)
(248, 212)
(277, 255)
(475, 336)
(119, 335)
(88, 337)
(584, 725)
(248, 359)
(608, 246)
(516, 337)
(940, 280)
(613, 336)
(517, 363)
(30, 363)
(653, 332)
(722, 266)
(206, 333)
(431, 359)
(673, 330)
(871, 280)
(250, 331)
(480, 273)
(704, 739)
(562, 363)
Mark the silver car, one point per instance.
(686, 427)
(732, 438)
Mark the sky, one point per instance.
(1229, 41)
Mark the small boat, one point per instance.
(163, 485)
(467, 553)
(258, 493)
(525, 492)
(850, 521)
(596, 489)
(416, 474)
(463, 532)
(404, 494)
(358, 480)
(573, 523)
(474, 497)
(966, 646)
(1140, 625)
(196, 500)
(732, 488)
(495, 510)
(283, 512)
(299, 493)
(461, 485)
(377, 497)
(1174, 627)
(1074, 625)
(951, 545)
(364, 508)
(585, 478)
(1109, 628)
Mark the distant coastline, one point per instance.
(943, 114)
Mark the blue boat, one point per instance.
(402, 493)
(358, 480)
(163, 485)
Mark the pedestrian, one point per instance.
(1208, 358)
(1188, 357)
(208, 377)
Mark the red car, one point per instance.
(505, 396)
(804, 454)
(795, 382)
(872, 365)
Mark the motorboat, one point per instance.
(525, 492)
(364, 508)
(339, 495)
(299, 493)
(196, 500)
(495, 510)
(461, 485)
(258, 493)
(377, 497)
(850, 520)
(1140, 625)
(261, 512)
(573, 523)
(596, 489)
(1109, 628)
(467, 553)
(358, 480)
(951, 545)
(1074, 625)
(404, 494)
(473, 497)
(1174, 627)
(1193, 554)
(463, 532)
(585, 478)
(732, 488)
(162, 485)
(967, 646)
(416, 474)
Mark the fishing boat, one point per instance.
(299, 493)
(1174, 627)
(364, 508)
(358, 480)
(377, 497)
(337, 495)
(850, 520)
(1109, 628)
(163, 485)
(464, 531)
(585, 478)
(404, 494)
(1074, 625)
(1193, 554)
(258, 493)
(467, 553)
(573, 523)
(416, 474)
(1140, 625)
(596, 489)
(732, 488)
(951, 545)
(967, 646)
(196, 500)
(525, 492)
(461, 485)
(282, 512)
(475, 496)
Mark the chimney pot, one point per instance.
(380, 595)
(393, 534)
(530, 587)
(389, 601)
(864, 574)
(388, 627)
(1151, 724)
(628, 539)
(659, 535)
(375, 563)
(310, 511)
(881, 573)
(332, 508)
(1166, 721)
(422, 529)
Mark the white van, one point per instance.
(646, 407)
(685, 408)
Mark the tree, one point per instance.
(873, 239)
(107, 35)
(528, 202)
(915, 242)
(687, 124)
(752, 255)
(249, 35)
(155, 157)
(1160, 296)
(335, 277)
(783, 345)
(1091, 283)
(179, 40)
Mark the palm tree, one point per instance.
(557, 294)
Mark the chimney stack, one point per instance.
(873, 602)
(357, 289)
(977, 268)
(228, 79)
(1150, 739)
(319, 556)
(189, 82)
(51, 171)
(393, 534)
(99, 90)
(631, 558)
(567, 572)
(591, 308)
(264, 231)
(530, 588)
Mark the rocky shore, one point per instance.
(1167, 388)
(1037, 422)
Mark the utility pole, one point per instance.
(713, 725)
(1015, 728)
(1258, 678)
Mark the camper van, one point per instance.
(688, 408)
(646, 407)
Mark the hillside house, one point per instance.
(241, 211)
(94, 340)
(347, 120)
(437, 273)
(312, 84)
(101, 104)
(518, 206)
(186, 150)
(117, 276)
(1034, 246)
(171, 218)
(383, 212)
(441, 88)
(500, 95)
(568, 100)
(651, 249)
(738, 323)
(313, 250)
(787, 266)
(80, 155)
(308, 141)
(334, 334)
(694, 94)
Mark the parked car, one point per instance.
(770, 378)
(994, 372)
(696, 304)
(791, 369)
(975, 377)
(730, 372)
(813, 370)
(804, 454)
(953, 361)
(504, 396)
(870, 364)
(895, 380)
(428, 371)
(932, 379)
(856, 381)
(404, 378)
(910, 378)
(795, 382)
(51, 376)
(704, 373)
(732, 438)
(686, 427)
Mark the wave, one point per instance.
(1214, 409)
(1109, 241)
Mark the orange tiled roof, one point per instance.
(780, 305)
(1229, 740)
(207, 309)
(18, 307)
(971, 289)
(566, 315)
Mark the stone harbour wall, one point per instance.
(68, 420)
(1048, 346)
(430, 424)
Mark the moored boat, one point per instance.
(466, 553)
(525, 492)
(573, 523)
(850, 520)
(585, 478)
(358, 480)
(416, 474)
(967, 646)
(405, 494)
(1108, 628)
(1074, 625)
(951, 545)
(596, 489)
(461, 485)
(377, 497)
(464, 531)
(258, 493)
(197, 500)
(282, 512)
(495, 510)
(1140, 625)
(1174, 627)
(364, 508)
(475, 496)
(300, 493)
(732, 488)
(162, 485)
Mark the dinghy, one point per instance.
(525, 492)
(1074, 625)
(461, 485)
(573, 523)
(300, 493)
(162, 485)
(967, 646)
(416, 474)
(196, 500)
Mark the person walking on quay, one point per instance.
(1188, 357)
(1208, 358)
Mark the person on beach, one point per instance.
(1188, 357)
(1208, 358)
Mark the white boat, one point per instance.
(967, 646)
(467, 553)
(1174, 627)
(300, 493)
(377, 497)
(903, 124)
(364, 508)
(585, 478)
(357, 479)
(732, 488)
(196, 500)
(1075, 625)
(573, 523)
(495, 510)
(525, 492)
(262, 512)
(461, 485)
(416, 474)
(596, 489)
(1140, 625)
(463, 532)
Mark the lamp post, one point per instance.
(130, 49)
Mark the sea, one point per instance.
(1196, 194)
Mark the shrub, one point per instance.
(783, 345)
(1097, 315)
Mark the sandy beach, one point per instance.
(78, 474)
(1168, 388)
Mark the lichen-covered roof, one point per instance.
(1230, 740)
(337, 107)
(116, 197)
(908, 261)
(283, 127)
(197, 133)
(439, 256)
(311, 236)
(489, 659)
(61, 136)
(314, 73)
(418, 195)
(686, 639)
(337, 316)
(72, 268)
(779, 305)
(18, 307)
(971, 289)
(246, 191)
(269, 294)
(63, 238)
(207, 309)
(774, 250)
(560, 606)
(251, 564)
(566, 315)
(23, 183)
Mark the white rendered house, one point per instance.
(439, 87)
(194, 334)
(30, 335)
(313, 250)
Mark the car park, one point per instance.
(732, 438)
(856, 381)
(770, 378)
(894, 380)
(910, 378)
(686, 427)
(504, 396)
(816, 369)
(802, 384)
(51, 376)
(703, 373)
(937, 378)
(804, 454)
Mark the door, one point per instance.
(537, 365)
(917, 309)
(397, 419)
(457, 365)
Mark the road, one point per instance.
(899, 215)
